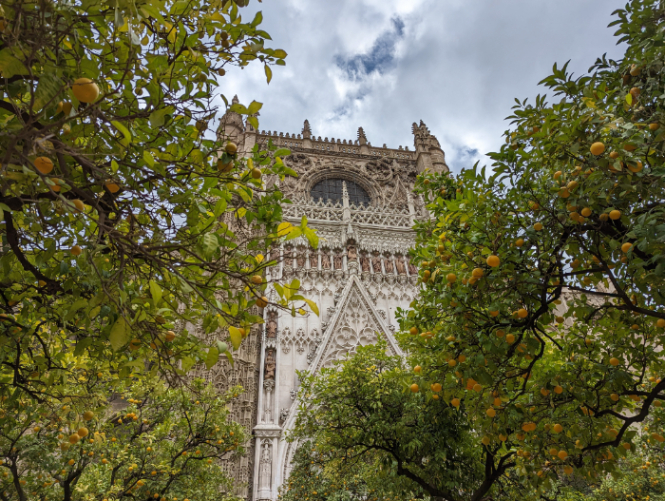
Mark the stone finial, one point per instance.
(362, 138)
(235, 99)
(306, 130)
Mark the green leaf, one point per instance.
(254, 107)
(209, 244)
(119, 335)
(9, 65)
(280, 54)
(155, 292)
(212, 358)
(157, 117)
(235, 336)
(127, 139)
(229, 356)
(147, 158)
(313, 306)
(80, 303)
(282, 152)
(268, 73)
(312, 237)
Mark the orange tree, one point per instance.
(120, 221)
(541, 314)
(150, 442)
(364, 437)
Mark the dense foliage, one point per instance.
(123, 224)
(149, 442)
(540, 326)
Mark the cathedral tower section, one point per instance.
(360, 199)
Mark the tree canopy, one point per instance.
(541, 320)
(125, 222)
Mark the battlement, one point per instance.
(349, 146)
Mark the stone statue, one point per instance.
(364, 262)
(353, 255)
(399, 262)
(300, 259)
(338, 260)
(376, 264)
(412, 269)
(325, 261)
(271, 328)
(271, 365)
(388, 263)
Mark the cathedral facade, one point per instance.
(360, 200)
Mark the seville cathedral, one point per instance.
(359, 199)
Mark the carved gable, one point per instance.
(355, 324)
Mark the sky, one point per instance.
(458, 65)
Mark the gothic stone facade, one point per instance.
(359, 198)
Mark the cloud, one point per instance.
(379, 59)
(384, 64)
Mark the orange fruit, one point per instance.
(455, 402)
(522, 313)
(562, 455)
(568, 470)
(635, 168)
(519, 242)
(414, 388)
(510, 338)
(493, 261)
(586, 212)
(73, 438)
(654, 126)
(660, 323)
(452, 362)
(56, 186)
(224, 167)
(436, 387)
(557, 174)
(262, 302)
(490, 412)
(558, 390)
(614, 397)
(82, 432)
(477, 272)
(486, 440)
(451, 277)
(626, 247)
(461, 358)
(614, 361)
(635, 92)
(256, 279)
(231, 148)
(112, 187)
(500, 333)
(615, 214)
(256, 173)
(557, 428)
(494, 313)
(43, 164)
(564, 193)
(477, 387)
(85, 90)
(538, 226)
(626, 446)
(413, 331)
(597, 148)
(614, 154)
(170, 336)
(417, 369)
(88, 415)
(76, 250)
(80, 206)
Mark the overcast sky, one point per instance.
(383, 64)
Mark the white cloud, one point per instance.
(458, 65)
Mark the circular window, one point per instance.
(331, 189)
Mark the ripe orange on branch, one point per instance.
(85, 90)
(493, 261)
(43, 165)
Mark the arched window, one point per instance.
(331, 189)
